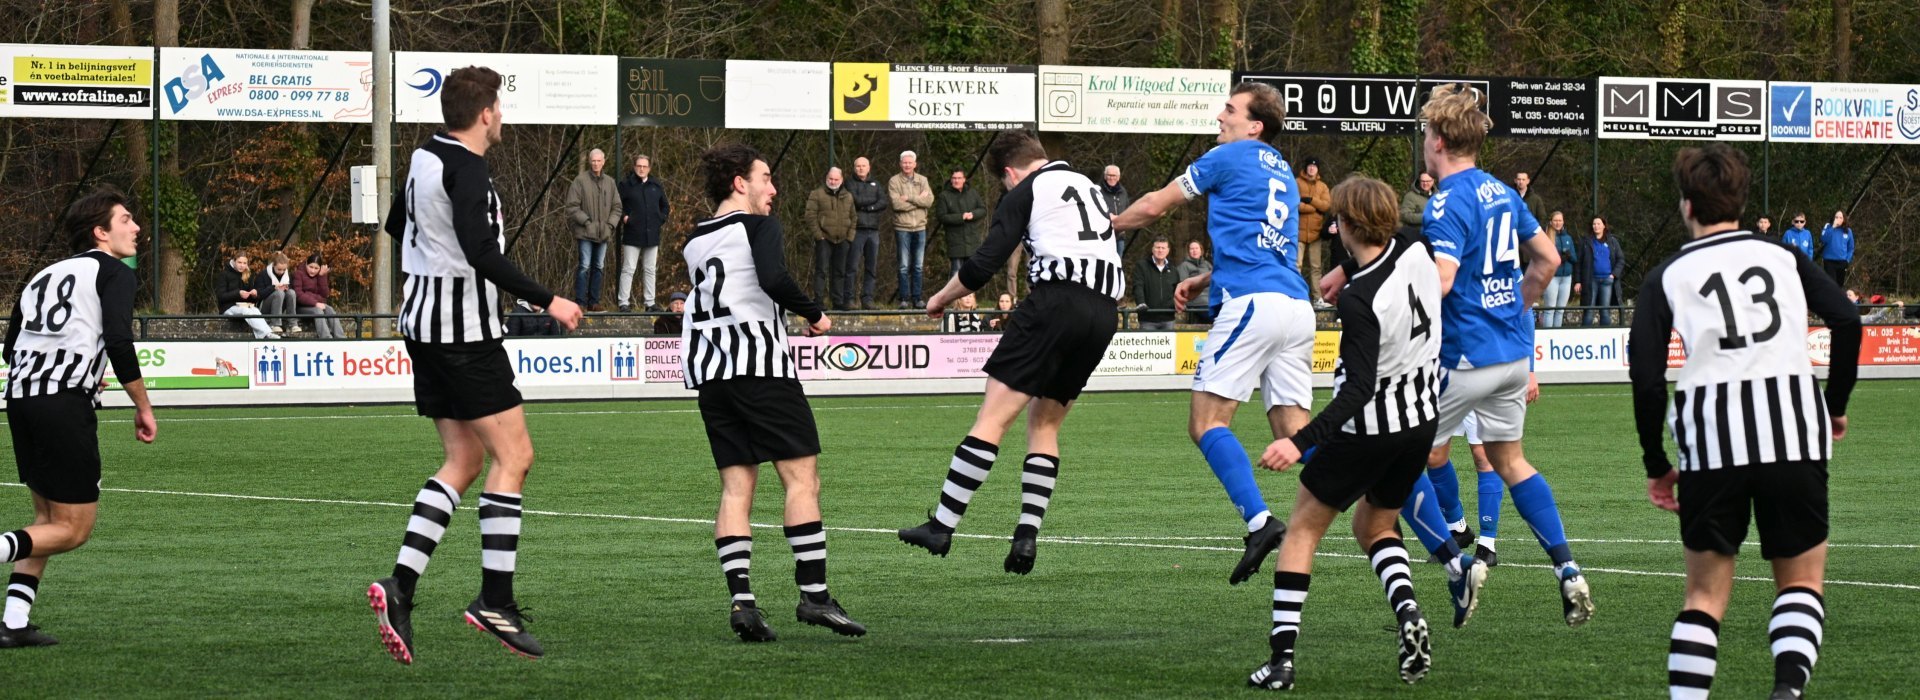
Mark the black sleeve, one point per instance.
(1826, 299)
(397, 212)
(1359, 360)
(115, 285)
(468, 196)
(13, 324)
(1008, 230)
(1647, 369)
(770, 263)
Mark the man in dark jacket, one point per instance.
(1117, 201)
(1153, 287)
(1597, 270)
(645, 202)
(870, 207)
(963, 217)
(830, 218)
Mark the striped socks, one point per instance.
(1289, 596)
(499, 546)
(432, 510)
(809, 543)
(971, 462)
(1389, 558)
(1798, 625)
(1036, 492)
(15, 545)
(736, 558)
(1692, 655)
(21, 590)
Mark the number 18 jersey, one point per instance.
(1252, 205)
(1475, 221)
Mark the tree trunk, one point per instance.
(288, 196)
(172, 296)
(1225, 52)
(1051, 15)
(1842, 40)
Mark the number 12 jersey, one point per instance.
(740, 284)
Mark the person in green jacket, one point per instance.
(963, 217)
(830, 217)
(1413, 203)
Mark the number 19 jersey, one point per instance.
(1475, 221)
(1252, 202)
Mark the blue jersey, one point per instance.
(1475, 221)
(1251, 216)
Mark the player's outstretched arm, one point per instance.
(770, 266)
(1829, 302)
(114, 286)
(1647, 369)
(938, 303)
(1360, 360)
(145, 428)
(1183, 292)
(1150, 207)
(480, 244)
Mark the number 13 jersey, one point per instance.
(740, 283)
(1476, 222)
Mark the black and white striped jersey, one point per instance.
(452, 241)
(732, 324)
(70, 320)
(1387, 379)
(1061, 219)
(1747, 394)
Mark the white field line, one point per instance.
(1095, 541)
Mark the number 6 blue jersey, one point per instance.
(1475, 221)
(1251, 205)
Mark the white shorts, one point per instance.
(1470, 429)
(1261, 339)
(1496, 396)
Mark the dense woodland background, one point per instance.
(237, 186)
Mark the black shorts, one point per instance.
(462, 381)
(56, 444)
(751, 420)
(1381, 467)
(1788, 500)
(1054, 340)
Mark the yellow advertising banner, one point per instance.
(1326, 351)
(860, 91)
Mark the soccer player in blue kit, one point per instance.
(1263, 323)
(1477, 227)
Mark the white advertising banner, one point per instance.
(1843, 113)
(534, 88)
(1579, 349)
(1678, 108)
(76, 82)
(789, 95)
(1132, 100)
(266, 86)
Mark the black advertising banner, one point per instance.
(673, 92)
(1383, 105)
(1554, 108)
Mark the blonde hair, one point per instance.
(1366, 209)
(1454, 114)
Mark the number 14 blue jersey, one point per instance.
(1251, 216)
(1474, 220)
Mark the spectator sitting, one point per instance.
(672, 324)
(313, 289)
(1195, 265)
(1153, 285)
(234, 291)
(1896, 313)
(999, 321)
(276, 287)
(964, 317)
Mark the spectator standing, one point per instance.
(1196, 265)
(643, 201)
(912, 199)
(1798, 236)
(963, 218)
(831, 218)
(237, 295)
(1523, 183)
(276, 288)
(314, 291)
(593, 209)
(964, 317)
(1560, 287)
(870, 208)
(1836, 248)
(1600, 264)
(1314, 197)
(1117, 200)
(1153, 287)
(1414, 203)
(675, 321)
(1763, 226)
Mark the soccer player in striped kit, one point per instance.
(70, 321)
(1753, 428)
(447, 218)
(736, 356)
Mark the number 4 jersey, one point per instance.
(1059, 215)
(1476, 222)
(740, 284)
(72, 318)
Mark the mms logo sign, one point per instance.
(860, 91)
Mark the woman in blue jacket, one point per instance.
(1597, 272)
(1836, 248)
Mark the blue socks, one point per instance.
(1491, 490)
(1235, 472)
(1534, 500)
(1422, 512)
(1446, 485)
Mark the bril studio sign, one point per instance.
(1648, 108)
